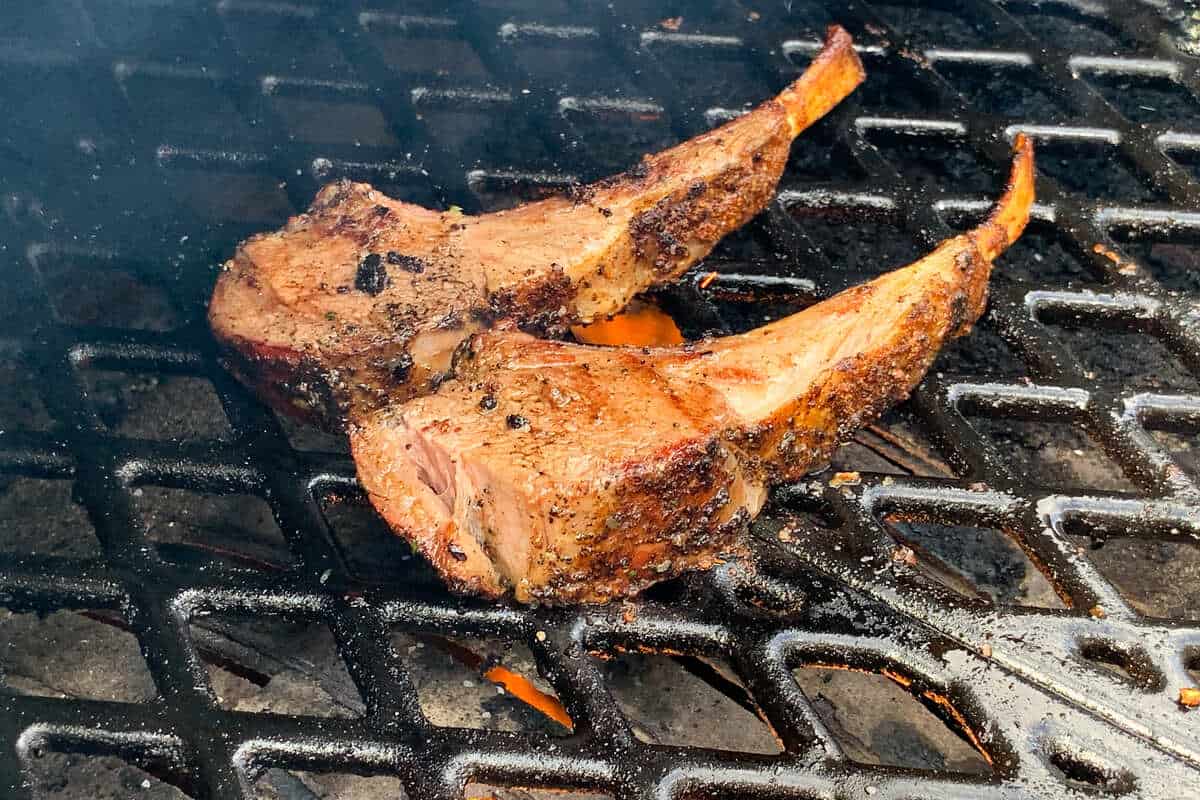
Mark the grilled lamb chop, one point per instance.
(363, 299)
(557, 472)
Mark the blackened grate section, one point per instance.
(145, 138)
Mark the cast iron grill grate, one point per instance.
(145, 137)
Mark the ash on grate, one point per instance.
(667, 704)
(85, 654)
(72, 776)
(877, 722)
(163, 407)
(484, 791)
(1095, 170)
(40, 517)
(940, 28)
(480, 683)
(1175, 263)
(271, 664)
(21, 406)
(1183, 447)
(279, 784)
(1130, 362)
(979, 563)
(1017, 92)
(938, 163)
(1057, 456)
(237, 528)
(1083, 33)
(1158, 578)
(1151, 99)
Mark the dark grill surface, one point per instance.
(142, 139)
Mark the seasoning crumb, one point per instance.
(407, 263)
(516, 421)
(845, 479)
(904, 555)
(708, 279)
(671, 23)
(541, 636)
(785, 535)
(986, 650)
(1189, 697)
(1098, 612)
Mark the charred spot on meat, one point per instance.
(407, 263)
(371, 276)
(402, 368)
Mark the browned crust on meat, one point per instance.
(804, 435)
(667, 516)
(673, 210)
(541, 306)
(688, 437)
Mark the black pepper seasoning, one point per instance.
(516, 421)
(402, 368)
(407, 263)
(371, 276)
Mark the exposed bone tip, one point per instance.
(834, 73)
(1010, 215)
(837, 37)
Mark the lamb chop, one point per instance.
(363, 299)
(557, 472)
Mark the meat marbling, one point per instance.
(363, 299)
(557, 472)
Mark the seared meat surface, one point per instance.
(363, 299)
(557, 472)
